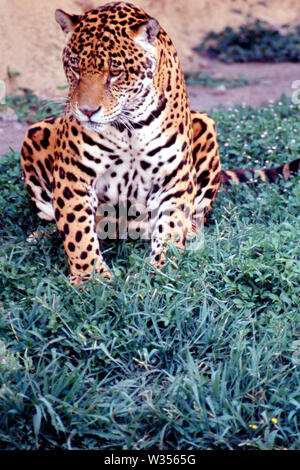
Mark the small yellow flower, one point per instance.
(274, 420)
(253, 426)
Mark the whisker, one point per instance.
(123, 120)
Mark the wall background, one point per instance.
(31, 41)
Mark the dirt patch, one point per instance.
(11, 136)
(272, 81)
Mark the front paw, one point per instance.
(81, 278)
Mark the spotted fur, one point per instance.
(127, 157)
(270, 175)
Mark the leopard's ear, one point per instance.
(67, 22)
(147, 31)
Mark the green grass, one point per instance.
(209, 81)
(205, 356)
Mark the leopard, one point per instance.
(128, 157)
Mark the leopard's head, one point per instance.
(110, 61)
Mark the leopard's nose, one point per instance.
(89, 111)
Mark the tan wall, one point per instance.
(31, 41)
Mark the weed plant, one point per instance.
(257, 41)
(203, 355)
(29, 107)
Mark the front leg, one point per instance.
(171, 219)
(75, 204)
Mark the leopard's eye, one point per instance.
(115, 69)
(73, 63)
(115, 73)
